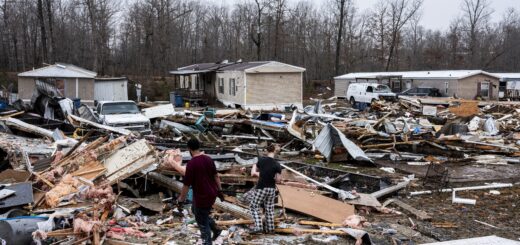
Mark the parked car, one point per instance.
(422, 91)
(122, 114)
(368, 93)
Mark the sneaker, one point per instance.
(216, 234)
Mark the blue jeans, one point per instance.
(205, 222)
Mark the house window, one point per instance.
(221, 85)
(232, 87)
(446, 87)
(396, 86)
(484, 89)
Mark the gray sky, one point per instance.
(436, 14)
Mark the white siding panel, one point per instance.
(111, 90)
(340, 88)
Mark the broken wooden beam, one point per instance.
(391, 144)
(421, 215)
(29, 128)
(317, 223)
(176, 186)
(309, 231)
(121, 131)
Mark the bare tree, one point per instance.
(476, 16)
(42, 31)
(257, 36)
(401, 11)
(342, 6)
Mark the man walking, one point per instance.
(201, 175)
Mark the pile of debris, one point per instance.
(81, 181)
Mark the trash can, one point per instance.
(178, 100)
(3, 104)
(19, 230)
(76, 102)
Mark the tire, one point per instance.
(352, 101)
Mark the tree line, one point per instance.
(151, 37)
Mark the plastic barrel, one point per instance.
(18, 231)
(178, 100)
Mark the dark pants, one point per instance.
(205, 222)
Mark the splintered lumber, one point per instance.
(176, 186)
(316, 223)
(314, 204)
(90, 170)
(83, 139)
(239, 222)
(12, 115)
(127, 156)
(444, 225)
(121, 131)
(391, 144)
(63, 233)
(418, 213)
(309, 231)
(92, 145)
(47, 182)
(23, 126)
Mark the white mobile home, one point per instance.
(254, 85)
(466, 84)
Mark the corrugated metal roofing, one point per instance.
(200, 66)
(447, 74)
(208, 67)
(243, 66)
(60, 70)
(324, 143)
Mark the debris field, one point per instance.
(413, 171)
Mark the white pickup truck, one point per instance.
(123, 114)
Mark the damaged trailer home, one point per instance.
(250, 85)
(73, 82)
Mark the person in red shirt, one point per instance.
(201, 174)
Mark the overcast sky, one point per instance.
(436, 14)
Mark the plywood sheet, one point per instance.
(14, 176)
(131, 169)
(126, 156)
(314, 204)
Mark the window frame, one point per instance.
(220, 85)
(482, 89)
(232, 86)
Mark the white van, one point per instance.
(368, 93)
